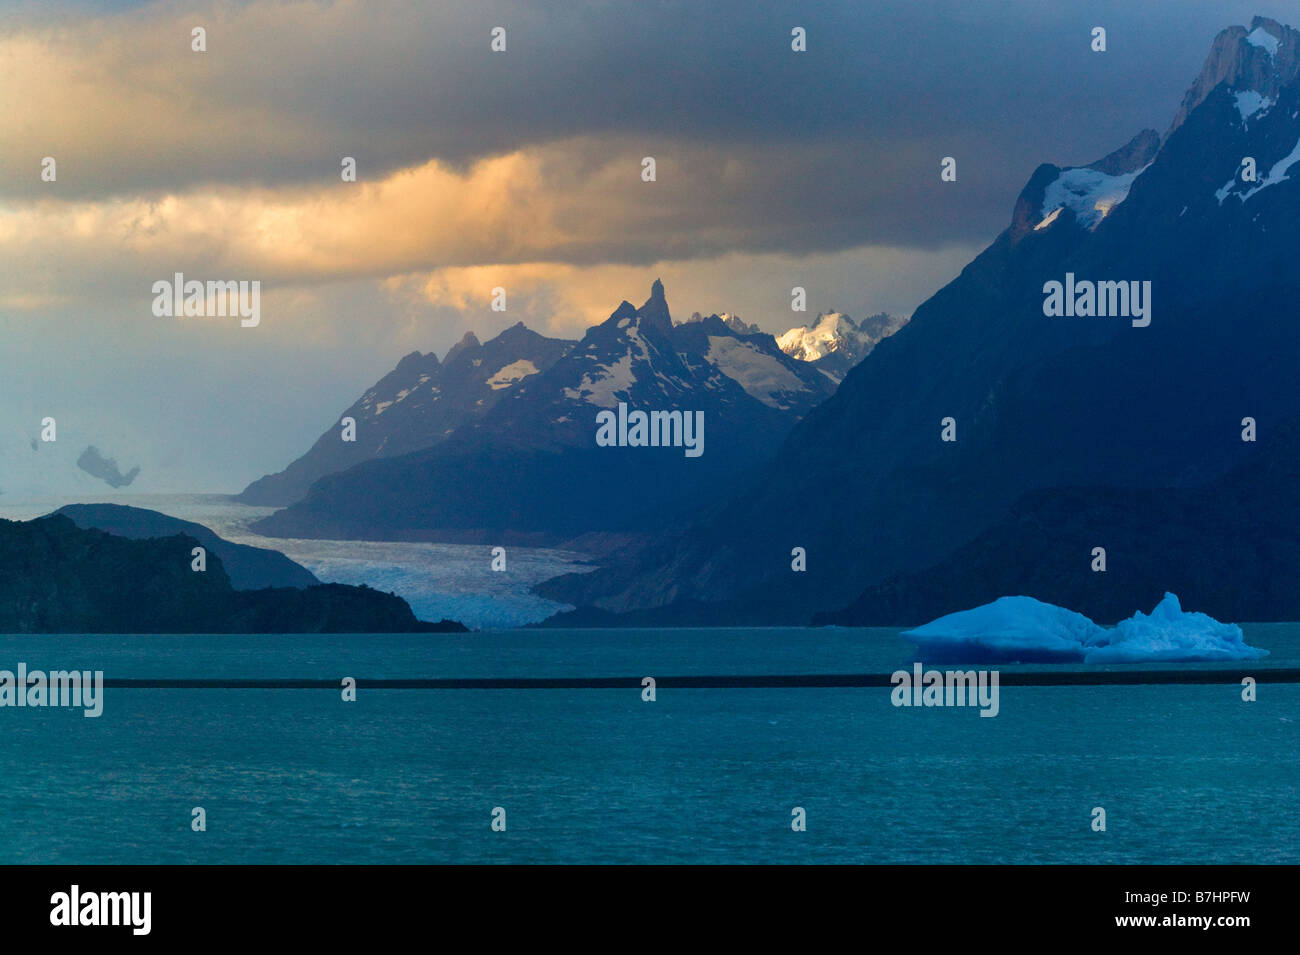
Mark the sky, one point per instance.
(519, 169)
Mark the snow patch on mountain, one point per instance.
(602, 386)
(1088, 193)
(512, 373)
(1250, 102)
(1262, 38)
(1055, 214)
(762, 376)
(1280, 172)
(1264, 58)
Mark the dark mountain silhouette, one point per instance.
(1231, 549)
(416, 405)
(60, 578)
(864, 482)
(530, 469)
(249, 568)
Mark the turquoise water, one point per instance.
(1185, 773)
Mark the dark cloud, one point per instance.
(850, 132)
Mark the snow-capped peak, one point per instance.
(835, 342)
(731, 320)
(1262, 59)
(829, 333)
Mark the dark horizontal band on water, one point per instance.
(727, 682)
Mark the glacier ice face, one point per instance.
(1009, 629)
(1025, 630)
(1170, 635)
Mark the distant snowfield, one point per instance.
(438, 580)
(808, 343)
(761, 375)
(602, 386)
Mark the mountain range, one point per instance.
(415, 406)
(513, 454)
(834, 343)
(867, 484)
(1111, 344)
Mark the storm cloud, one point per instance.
(520, 169)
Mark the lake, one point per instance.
(1185, 773)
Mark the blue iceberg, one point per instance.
(1171, 635)
(1010, 628)
(1025, 630)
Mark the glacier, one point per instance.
(437, 580)
(1025, 630)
